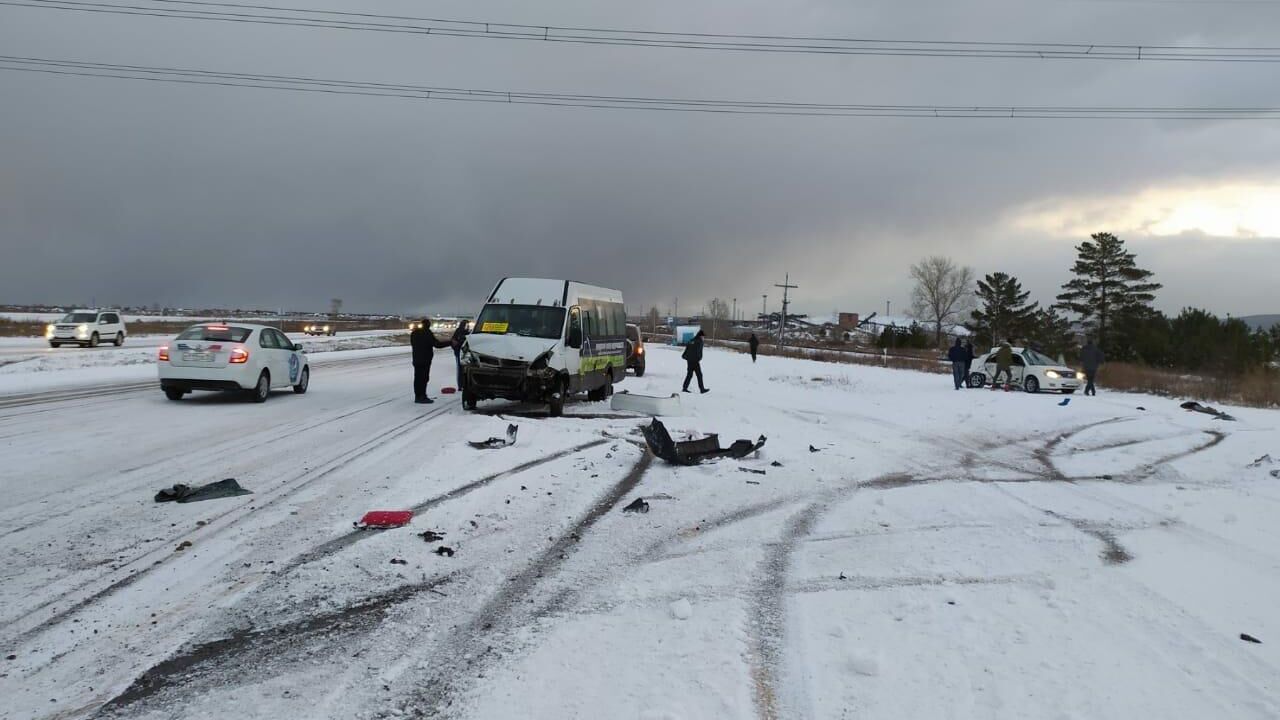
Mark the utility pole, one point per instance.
(734, 318)
(886, 308)
(782, 328)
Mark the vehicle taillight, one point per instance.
(640, 350)
(239, 355)
(164, 353)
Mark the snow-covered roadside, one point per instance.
(28, 365)
(908, 551)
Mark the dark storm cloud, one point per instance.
(138, 192)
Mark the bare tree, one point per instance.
(718, 311)
(942, 293)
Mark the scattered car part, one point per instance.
(431, 536)
(1264, 460)
(1065, 401)
(752, 470)
(382, 519)
(650, 405)
(187, 493)
(1249, 638)
(637, 506)
(444, 551)
(692, 452)
(814, 449)
(1197, 407)
(494, 443)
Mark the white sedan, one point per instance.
(1032, 371)
(240, 357)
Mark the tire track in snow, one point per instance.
(502, 613)
(351, 538)
(143, 564)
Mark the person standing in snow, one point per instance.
(693, 360)
(968, 358)
(754, 344)
(459, 336)
(1092, 358)
(957, 357)
(1004, 364)
(424, 344)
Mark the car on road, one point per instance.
(1032, 371)
(635, 350)
(323, 329)
(87, 328)
(240, 357)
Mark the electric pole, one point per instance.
(734, 318)
(782, 328)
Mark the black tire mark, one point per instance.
(248, 646)
(212, 529)
(499, 614)
(351, 538)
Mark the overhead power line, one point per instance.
(293, 83)
(209, 10)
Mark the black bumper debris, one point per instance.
(494, 443)
(692, 452)
(186, 493)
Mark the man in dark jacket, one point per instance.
(459, 336)
(968, 359)
(754, 344)
(1004, 366)
(693, 360)
(424, 344)
(1092, 358)
(957, 355)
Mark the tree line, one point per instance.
(1110, 297)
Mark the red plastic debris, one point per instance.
(385, 519)
(448, 390)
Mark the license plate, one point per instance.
(197, 357)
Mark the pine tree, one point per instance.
(1050, 332)
(1004, 311)
(1108, 285)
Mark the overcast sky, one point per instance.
(130, 192)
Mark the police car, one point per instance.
(238, 357)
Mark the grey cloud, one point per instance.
(241, 197)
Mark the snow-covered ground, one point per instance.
(903, 551)
(30, 365)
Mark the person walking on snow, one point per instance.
(1004, 364)
(1092, 358)
(424, 344)
(459, 336)
(754, 344)
(957, 357)
(693, 360)
(968, 359)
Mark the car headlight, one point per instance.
(48, 330)
(1051, 373)
(326, 328)
(1079, 375)
(83, 329)
(540, 362)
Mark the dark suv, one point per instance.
(635, 350)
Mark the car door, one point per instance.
(1019, 369)
(272, 360)
(293, 359)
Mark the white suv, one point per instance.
(87, 328)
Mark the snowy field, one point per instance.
(901, 550)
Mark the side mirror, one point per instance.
(575, 338)
(297, 347)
